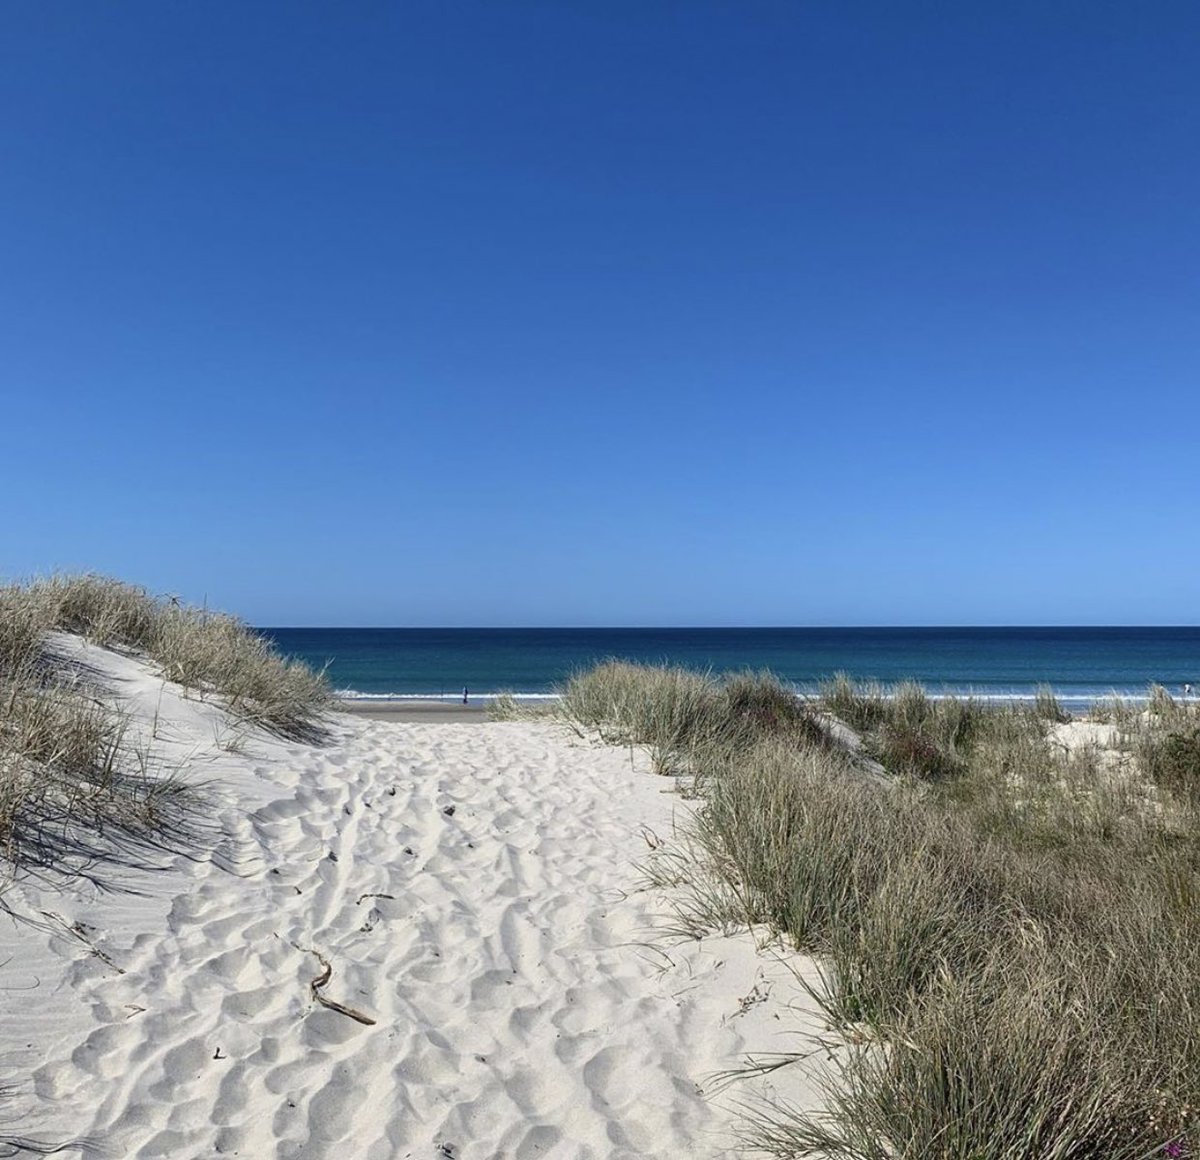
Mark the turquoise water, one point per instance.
(1082, 664)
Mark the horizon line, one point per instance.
(692, 627)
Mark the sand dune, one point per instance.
(468, 895)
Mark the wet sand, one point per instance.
(422, 712)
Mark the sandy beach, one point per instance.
(424, 938)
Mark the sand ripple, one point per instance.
(473, 888)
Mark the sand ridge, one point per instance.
(473, 891)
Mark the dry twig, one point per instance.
(320, 981)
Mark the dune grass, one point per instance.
(670, 711)
(1165, 742)
(67, 758)
(64, 752)
(1008, 927)
(504, 707)
(685, 719)
(507, 707)
(210, 652)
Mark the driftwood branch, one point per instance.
(320, 981)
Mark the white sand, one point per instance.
(525, 1001)
(1074, 735)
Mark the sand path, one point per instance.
(474, 890)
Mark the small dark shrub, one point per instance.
(759, 706)
(1173, 762)
(913, 752)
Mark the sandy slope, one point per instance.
(474, 890)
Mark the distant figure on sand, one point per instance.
(464, 694)
(1187, 690)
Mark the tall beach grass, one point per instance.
(685, 719)
(210, 652)
(1008, 923)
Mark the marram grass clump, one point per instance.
(686, 719)
(211, 652)
(671, 711)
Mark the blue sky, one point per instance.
(606, 313)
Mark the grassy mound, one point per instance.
(210, 652)
(66, 759)
(1008, 926)
(684, 717)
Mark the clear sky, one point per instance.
(606, 312)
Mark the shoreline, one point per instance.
(416, 711)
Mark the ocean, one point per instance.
(1080, 664)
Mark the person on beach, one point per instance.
(464, 694)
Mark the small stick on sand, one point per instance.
(320, 981)
(362, 896)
